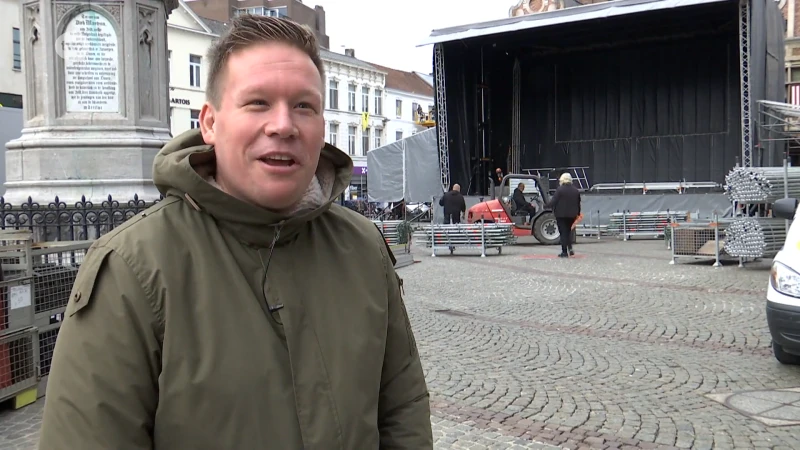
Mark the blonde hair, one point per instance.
(565, 178)
(248, 30)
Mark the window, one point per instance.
(333, 131)
(17, 49)
(794, 74)
(351, 97)
(194, 122)
(398, 135)
(398, 106)
(365, 99)
(378, 102)
(262, 11)
(351, 140)
(333, 95)
(415, 111)
(378, 132)
(365, 141)
(194, 71)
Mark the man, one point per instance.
(523, 205)
(453, 204)
(498, 176)
(246, 310)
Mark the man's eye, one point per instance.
(306, 105)
(257, 103)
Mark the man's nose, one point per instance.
(280, 122)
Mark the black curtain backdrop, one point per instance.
(640, 98)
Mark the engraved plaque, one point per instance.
(91, 64)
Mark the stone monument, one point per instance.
(97, 101)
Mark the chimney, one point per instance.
(350, 52)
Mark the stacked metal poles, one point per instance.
(762, 184)
(751, 237)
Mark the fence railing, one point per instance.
(59, 221)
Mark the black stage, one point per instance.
(646, 97)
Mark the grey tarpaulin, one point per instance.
(767, 72)
(407, 169)
(605, 205)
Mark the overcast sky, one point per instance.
(387, 32)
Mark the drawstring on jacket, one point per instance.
(279, 306)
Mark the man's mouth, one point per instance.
(278, 160)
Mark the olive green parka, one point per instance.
(206, 323)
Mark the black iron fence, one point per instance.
(59, 221)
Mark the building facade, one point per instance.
(189, 38)
(12, 78)
(791, 15)
(410, 101)
(355, 111)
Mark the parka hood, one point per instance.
(185, 168)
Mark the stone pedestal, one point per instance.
(97, 100)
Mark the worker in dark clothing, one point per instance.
(566, 205)
(498, 176)
(454, 205)
(523, 205)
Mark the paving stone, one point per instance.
(617, 349)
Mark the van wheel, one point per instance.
(783, 357)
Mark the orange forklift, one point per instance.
(501, 209)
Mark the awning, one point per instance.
(559, 17)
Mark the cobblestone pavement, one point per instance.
(612, 349)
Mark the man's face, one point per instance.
(268, 130)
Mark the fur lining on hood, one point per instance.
(318, 192)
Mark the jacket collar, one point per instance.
(185, 168)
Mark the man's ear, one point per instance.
(207, 121)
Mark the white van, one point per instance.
(783, 292)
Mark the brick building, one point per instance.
(791, 14)
(224, 10)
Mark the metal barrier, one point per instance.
(18, 345)
(652, 224)
(389, 230)
(698, 241)
(37, 282)
(590, 226)
(55, 266)
(476, 236)
(19, 358)
(16, 305)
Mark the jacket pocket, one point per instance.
(412, 342)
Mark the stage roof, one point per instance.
(576, 14)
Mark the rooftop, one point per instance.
(559, 17)
(403, 81)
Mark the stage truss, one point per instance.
(744, 73)
(441, 115)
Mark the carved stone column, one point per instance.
(97, 100)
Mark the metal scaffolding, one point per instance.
(744, 73)
(778, 129)
(441, 115)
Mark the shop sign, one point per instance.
(179, 101)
